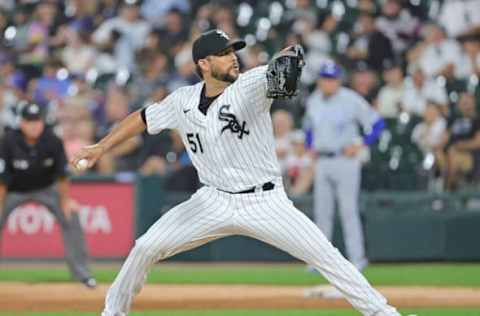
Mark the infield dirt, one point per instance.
(24, 297)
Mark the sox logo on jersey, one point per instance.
(232, 123)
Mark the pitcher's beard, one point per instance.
(226, 77)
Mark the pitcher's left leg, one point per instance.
(271, 217)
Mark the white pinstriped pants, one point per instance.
(268, 216)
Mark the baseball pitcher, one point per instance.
(226, 127)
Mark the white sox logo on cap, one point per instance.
(34, 109)
(223, 34)
(213, 42)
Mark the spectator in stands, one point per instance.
(52, 86)
(21, 24)
(106, 9)
(174, 164)
(125, 33)
(13, 84)
(320, 39)
(78, 55)
(153, 161)
(152, 44)
(365, 82)
(299, 165)
(390, 96)
(367, 6)
(436, 54)
(153, 73)
(174, 33)
(300, 9)
(462, 142)
(152, 154)
(7, 5)
(184, 73)
(459, 17)
(428, 136)
(203, 19)
(223, 18)
(369, 44)
(181, 175)
(83, 94)
(293, 38)
(105, 63)
(155, 11)
(82, 15)
(3, 21)
(255, 56)
(398, 25)
(77, 133)
(121, 158)
(419, 89)
(282, 122)
(319, 46)
(37, 51)
(470, 60)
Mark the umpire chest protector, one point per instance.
(30, 167)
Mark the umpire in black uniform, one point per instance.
(33, 167)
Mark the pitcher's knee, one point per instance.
(143, 249)
(154, 252)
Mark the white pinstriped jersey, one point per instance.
(232, 146)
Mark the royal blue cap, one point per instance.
(330, 70)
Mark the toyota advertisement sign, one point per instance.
(106, 214)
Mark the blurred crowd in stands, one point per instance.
(91, 62)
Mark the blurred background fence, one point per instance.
(399, 225)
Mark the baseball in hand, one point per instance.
(82, 164)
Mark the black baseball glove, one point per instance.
(283, 72)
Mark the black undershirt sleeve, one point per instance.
(143, 115)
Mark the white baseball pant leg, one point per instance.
(268, 216)
(202, 218)
(271, 217)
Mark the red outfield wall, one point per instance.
(106, 213)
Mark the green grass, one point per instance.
(418, 312)
(294, 274)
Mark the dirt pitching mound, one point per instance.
(23, 297)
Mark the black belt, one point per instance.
(327, 154)
(267, 186)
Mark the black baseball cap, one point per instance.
(213, 42)
(31, 112)
(389, 64)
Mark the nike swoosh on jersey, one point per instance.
(186, 111)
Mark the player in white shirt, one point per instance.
(226, 127)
